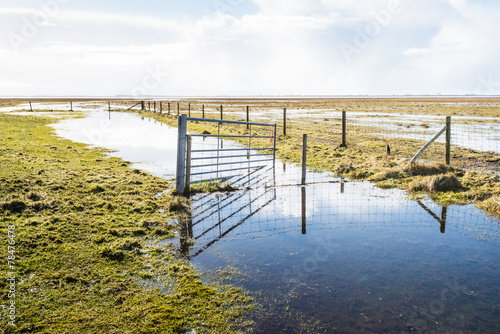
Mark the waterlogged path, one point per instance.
(333, 256)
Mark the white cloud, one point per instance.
(287, 47)
(14, 84)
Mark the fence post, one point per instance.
(168, 112)
(203, 111)
(149, 105)
(154, 106)
(448, 140)
(31, 107)
(189, 109)
(109, 106)
(248, 117)
(188, 165)
(180, 180)
(70, 106)
(221, 114)
(344, 129)
(178, 109)
(304, 158)
(142, 105)
(284, 121)
(161, 107)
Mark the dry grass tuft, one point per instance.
(178, 204)
(491, 205)
(426, 170)
(444, 183)
(386, 175)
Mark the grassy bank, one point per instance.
(87, 257)
(368, 159)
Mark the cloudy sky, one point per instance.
(249, 47)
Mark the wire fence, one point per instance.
(374, 128)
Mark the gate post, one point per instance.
(180, 180)
(187, 187)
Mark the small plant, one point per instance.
(212, 186)
(444, 183)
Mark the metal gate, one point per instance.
(213, 160)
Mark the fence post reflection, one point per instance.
(444, 213)
(442, 220)
(304, 213)
(185, 234)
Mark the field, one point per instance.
(91, 243)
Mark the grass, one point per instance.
(87, 244)
(211, 187)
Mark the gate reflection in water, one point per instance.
(351, 257)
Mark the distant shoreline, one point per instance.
(263, 98)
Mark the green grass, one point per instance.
(88, 257)
(211, 187)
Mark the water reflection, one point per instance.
(216, 218)
(149, 146)
(350, 257)
(442, 220)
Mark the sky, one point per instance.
(249, 47)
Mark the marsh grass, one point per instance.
(212, 186)
(491, 205)
(82, 221)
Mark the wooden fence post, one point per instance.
(448, 140)
(178, 109)
(304, 158)
(31, 107)
(284, 121)
(142, 105)
(344, 129)
(154, 106)
(109, 106)
(168, 111)
(248, 117)
(189, 109)
(161, 107)
(180, 180)
(221, 114)
(429, 143)
(203, 111)
(70, 106)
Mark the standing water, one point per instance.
(332, 256)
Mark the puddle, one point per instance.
(351, 258)
(333, 256)
(149, 145)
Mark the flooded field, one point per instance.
(150, 145)
(350, 258)
(333, 256)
